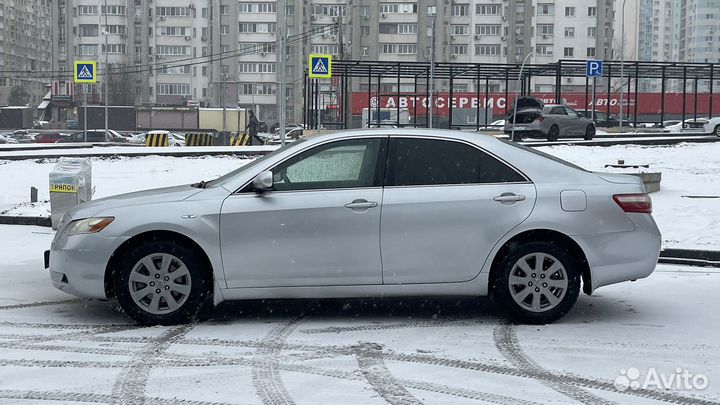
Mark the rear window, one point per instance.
(543, 154)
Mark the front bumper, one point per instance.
(77, 264)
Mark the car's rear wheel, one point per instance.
(537, 282)
(553, 133)
(160, 282)
(589, 132)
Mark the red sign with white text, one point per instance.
(647, 103)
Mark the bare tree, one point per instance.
(18, 96)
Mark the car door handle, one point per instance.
(509, 198)
(361, 204)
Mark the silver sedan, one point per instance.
(371, 213)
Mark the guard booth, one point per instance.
(70, 185)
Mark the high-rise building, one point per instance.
(226, 52)
(25, 48)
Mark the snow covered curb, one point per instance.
(23, 220)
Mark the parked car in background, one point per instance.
(551, 121)
(491, 214)
(7, 139)
(498, 123)
(602, 120)
(50, 137)
(690, 125)
(23, 136)
(173, 138)
(95, 135)
(712, 126)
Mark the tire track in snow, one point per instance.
(507, 343)
(267, 379)
(129, 388)
(400, 325)
(372, 366)
(39, 304)
(91, 397)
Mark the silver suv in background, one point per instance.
(535, 119)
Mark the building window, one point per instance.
(365, 51)
(487, 29)
(591, 32)
(113, 10)
(569, 52)
(364, 30)
(88, 49)
(114, 48)
(487, 9)
(591, 52)
(487, 50)
(460, 29)
(87, 10)
(115, 29)
(172, 11)
(406, 29)
(569, 11)
(544, 49)
(592, 11)
(545, 30)
(224, 10)
(405, 49)
(88, 30)
(569, 32)
(173, 89)
(172, 50)
(545, 9)
(460, 10)
(173, 31)
(174, 70)
(459, 50)
(257, 27)
(264, 8)
(204, 14)
(224, 30)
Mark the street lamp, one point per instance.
(517, 95)
(622, 59)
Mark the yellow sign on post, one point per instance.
(85, 72)
(319, 66)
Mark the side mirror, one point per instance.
(263, 181)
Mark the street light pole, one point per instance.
(431, 90)
(517, 95)
(622, 60)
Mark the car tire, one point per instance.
(553, 133)
(589, 133)
(168, 285)
(516, 137)
(524, 289)
(717, 130)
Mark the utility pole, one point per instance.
(107, 72)
(431, 90)
(283, 78)
(224, 108)
(622, 61)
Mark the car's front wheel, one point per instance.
(717, 130)
(537, 282)
(160, 282)
(589, 132)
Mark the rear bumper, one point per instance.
(622, 256)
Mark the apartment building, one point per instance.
(679, 31)
(25, 46)
(226, 52)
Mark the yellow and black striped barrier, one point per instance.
(199, 139)
(240, 140)
(160, 139)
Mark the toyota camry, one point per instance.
(370, 213)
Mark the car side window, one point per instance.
(435, 162)
(571, 112)
(341, 164)
(558, 111)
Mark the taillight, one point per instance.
(641, 203)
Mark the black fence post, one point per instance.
(684, 98)
(609, 89)
(637, 78)
(487, 97)
(449, 101)
(662, 97)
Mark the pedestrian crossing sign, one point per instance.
(85, 72)
(320, 66)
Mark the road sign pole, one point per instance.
(592, 100)
(85, 116)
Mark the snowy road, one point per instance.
(56, 349)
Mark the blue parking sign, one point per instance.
(594, 68)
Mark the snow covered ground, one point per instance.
(59, 350)
(687, 169)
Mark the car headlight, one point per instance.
(88, 225)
